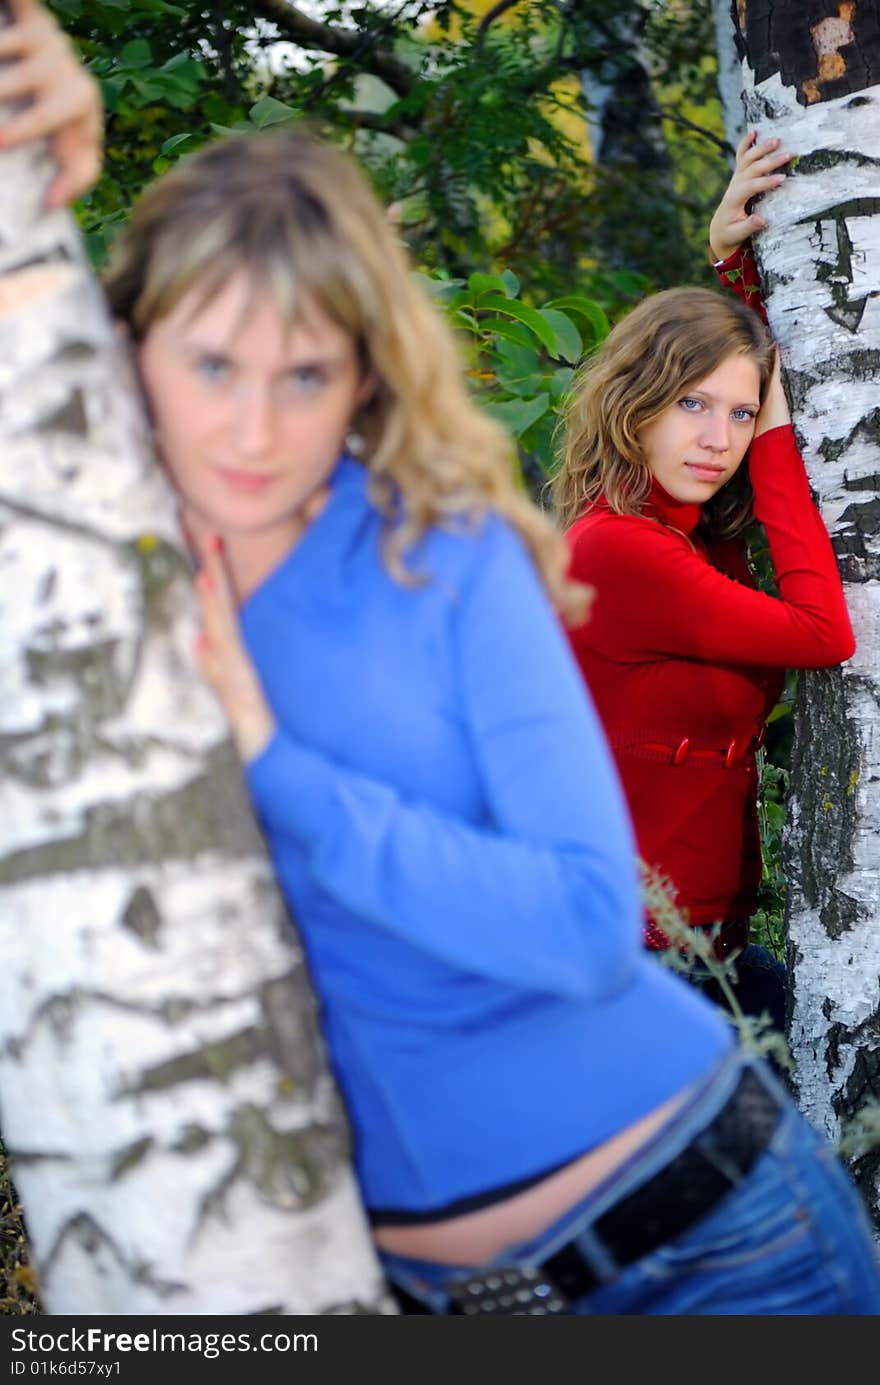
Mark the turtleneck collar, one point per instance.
(678, 514)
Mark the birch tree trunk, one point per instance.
(810, 72)
(729, 73)
(636, 220)
(176, 1139)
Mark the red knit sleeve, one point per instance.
(740, 273)
(656, 594)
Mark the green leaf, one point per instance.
(587, 309)
(268, 111)
(520, 373)
(136, 54)
(510, 331)
(568, 339)
(538, 440)
(174, 141)
(521, 356)
(626, 281)
(479, 284)
(511, 283)
(560, 383)
(521, 312)
(518, 415)
(437, 288)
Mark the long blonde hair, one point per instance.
(663, 348)
(301, 219)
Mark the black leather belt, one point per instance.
(675, 1198)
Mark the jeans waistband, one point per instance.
(428, 1281)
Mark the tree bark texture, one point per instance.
(811, 69)
(176, 1139)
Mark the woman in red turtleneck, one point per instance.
(678, 433)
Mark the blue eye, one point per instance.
(690, 405)
(306, 378)
(212, 367)
(742, 415)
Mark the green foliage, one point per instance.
(478, 133)
(18, 1281)
(521, 358)
(773, 782)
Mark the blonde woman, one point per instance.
(544, 1120)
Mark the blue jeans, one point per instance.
(791, 1238)
(759, 987)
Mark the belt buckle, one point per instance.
(510, 1289)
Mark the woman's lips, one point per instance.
(704, 473)
(249, 481)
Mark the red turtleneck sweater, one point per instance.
(685, 659)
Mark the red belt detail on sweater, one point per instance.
(736, 750)
(733, 936)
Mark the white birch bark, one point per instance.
(176, 1140)
(820, 264)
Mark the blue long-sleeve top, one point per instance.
(447, 826)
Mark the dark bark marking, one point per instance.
(192, 1138)
(93, 665)
(822, 159)
(214, 1061)
(832, 449)
(129, 1157)
(142, 917)
(859, 524)
(74, 353)
(861, 1088)
(290, 1169)
(826, 759)
(100, 1246)
(48, 583)
(824, 49)
(838, 273)
(208, 814)
(865, 517)
(289, 1037)
(70, 418)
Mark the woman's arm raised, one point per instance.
(41, 67)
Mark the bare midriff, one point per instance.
(475, 1237)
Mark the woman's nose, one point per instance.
(253, 421)
(715, 434)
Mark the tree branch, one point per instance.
(668, 113)
(344, 43)
(491, 15)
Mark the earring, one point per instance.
(354, 443)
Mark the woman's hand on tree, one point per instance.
(756, 172)
(64, 101)
(774, 412)
(223, 659)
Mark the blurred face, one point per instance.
(250, 415)
(698, 443)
